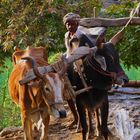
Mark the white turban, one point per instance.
(71, 16)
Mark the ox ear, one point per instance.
(17, 55)
(16, 48)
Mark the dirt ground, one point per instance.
(59, 129)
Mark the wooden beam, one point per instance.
(30, 74)
(125, 91)
(106, 22)
(77, 54)
(132, 84)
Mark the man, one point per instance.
(71, 21)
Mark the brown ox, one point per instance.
(38, 98)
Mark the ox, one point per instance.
(38, 98)
(96, 98)
(100, 77)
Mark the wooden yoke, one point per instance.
(76, 55)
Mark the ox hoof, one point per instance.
(113, 137)
(98, 138)
(62, 114)
(73, 124)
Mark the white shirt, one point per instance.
(68, 38)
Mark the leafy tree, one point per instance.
(129, 47)
(39, 23)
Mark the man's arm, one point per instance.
(67, 44)
(117, 37)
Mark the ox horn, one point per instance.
(63, 70)
(34, 66)
(64, 67)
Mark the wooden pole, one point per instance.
(106, 22)
(94, 12)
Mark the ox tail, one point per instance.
(34, 66)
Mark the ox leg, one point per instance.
(45, 127)
(74, 112)
(91, 129)
(97, 120)
(27, 126)
(104, 118)
(82, 115)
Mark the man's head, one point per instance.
(71, 21)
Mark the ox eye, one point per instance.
(47, 89)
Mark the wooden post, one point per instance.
(94, 12)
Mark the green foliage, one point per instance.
(9, 113)
(33, 23)
(54, 57)
(38, 23)
(121, 10)
(129, 47)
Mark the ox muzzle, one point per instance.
(121, 78)
(58, 110)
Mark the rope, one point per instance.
(95, 66)
(131, 17)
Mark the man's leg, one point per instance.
(74, 112)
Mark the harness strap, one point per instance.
(94, 65)
(81, 75)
